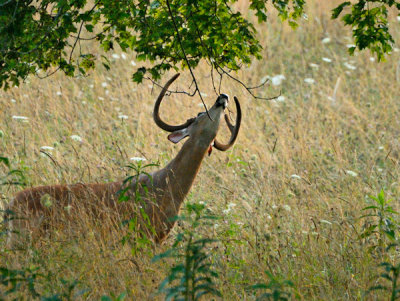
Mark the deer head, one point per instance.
(203, 128)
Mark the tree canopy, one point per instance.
(47, 34)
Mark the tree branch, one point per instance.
(185, 57)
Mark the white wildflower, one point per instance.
(324, 221)
(294, 176)
(91, 86)
(372, 59)
(13, 100)
(287, 207)
(381, 147)
(349, 66)
(315, 66)
(277, 79)
(203, 94)
(123, 55)
(351, 173)
(304, 232)
(398, 18)
(309, 80)
(269, 216)
(101, 98)
(48, 148)
(326, 59)
(231, 205)
(83, 102)
(280, 98)
(123, 117)
(133, 63)
(274, 206)
(104, 84)
(150, 86)
(76, 138)
(326, 40)
(226, 211)
(107, 92)
(350, 45)
(109, 78)
(395, 49)
(138, 159)
(21, 118)
(59, 93)
(115, 56)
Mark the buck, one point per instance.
(163, 190)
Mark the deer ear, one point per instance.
(177, 136)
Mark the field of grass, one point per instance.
(290, 192)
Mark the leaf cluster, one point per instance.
(390, 274)
(25, 280)
(383, 223)
(193, 276)
(369, 20)
(276, 289)
(10, 176)
(139, 226)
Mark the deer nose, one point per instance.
(222, 100)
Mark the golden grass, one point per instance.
(299, 173)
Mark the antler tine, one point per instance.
(156, 112)
(234, 129)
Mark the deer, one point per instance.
(163, 191)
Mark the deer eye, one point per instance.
(201, 113)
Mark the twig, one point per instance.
(169, 91)
(221, 71)
(185, 57)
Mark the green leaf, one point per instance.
(5, 160)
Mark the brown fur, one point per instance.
(166, 190)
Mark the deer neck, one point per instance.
(180, 173)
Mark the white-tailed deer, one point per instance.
(165, 188)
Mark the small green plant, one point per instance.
(276, 288)
(14, 282)
(383, 225)
(113, 297)
(11, 176)
(137, 235)
(389, 275)
(193, 275)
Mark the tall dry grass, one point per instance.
(290, 191)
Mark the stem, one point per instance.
(394, 283)
(185, 57)
(187, 269)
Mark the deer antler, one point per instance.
(234, 129)
(156, 113)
